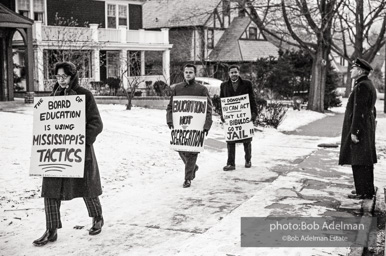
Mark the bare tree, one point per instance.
(302, 24)
(131, 72)
(362, 25)
(68, 41)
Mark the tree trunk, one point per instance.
(348, 81)
(128, 106)
(318, 80)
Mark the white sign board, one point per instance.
(236, 112)
(189, 115)
(58, 139)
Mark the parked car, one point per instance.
(212, 84)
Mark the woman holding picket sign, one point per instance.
(54, 190)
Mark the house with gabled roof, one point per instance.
(108, 34)
(208, 33)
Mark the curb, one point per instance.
(368, 206)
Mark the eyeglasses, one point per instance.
(61, 77)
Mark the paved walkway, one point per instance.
(330, 126)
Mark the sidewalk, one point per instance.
(146, 210)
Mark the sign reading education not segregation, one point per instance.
(58, 139)
(189, 115)
(236, 112)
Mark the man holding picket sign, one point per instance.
(189, 116)
(238, 112)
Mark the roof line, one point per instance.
(9, 11)
(241, 52)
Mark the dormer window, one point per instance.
(210, 39)
(252, 33)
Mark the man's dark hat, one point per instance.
(361, 63)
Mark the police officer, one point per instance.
(358, 133)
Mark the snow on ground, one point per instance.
(295, 118)
(146, 210)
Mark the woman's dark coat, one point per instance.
(90, 184)
(245, 87)
(359, 119)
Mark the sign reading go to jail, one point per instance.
(236, 112)
(58, 139)
(189, 114)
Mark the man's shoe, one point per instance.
(365, 196)
(229, 168)
(352, 196)
(248, 164)
(194, 172)
(186, 184)
(96, 226)
(49, 236)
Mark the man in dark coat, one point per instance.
(54, 190)
(358, 133)
(236, 86)
(189, 87)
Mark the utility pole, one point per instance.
(384, 84)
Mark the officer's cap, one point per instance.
(361, 63)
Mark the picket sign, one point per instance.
(58, 137)
(189, 115)
(236, 112)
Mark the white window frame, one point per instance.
(117, 4)
(127, 11)
(31, 13)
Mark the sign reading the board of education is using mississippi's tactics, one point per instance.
(236, 112)
(58, 141)
(189, 114)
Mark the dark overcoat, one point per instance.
(90, 184)
(359, 119)
(245, 87)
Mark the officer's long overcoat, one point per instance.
(359, 119)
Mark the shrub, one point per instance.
(272, 116)
(113, 83)
(216, 104)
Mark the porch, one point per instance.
(109, 51)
